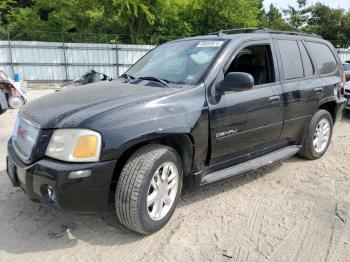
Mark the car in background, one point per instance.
(346, 67)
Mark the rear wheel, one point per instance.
(318, 135)
(148, 188)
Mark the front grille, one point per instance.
(24, 137)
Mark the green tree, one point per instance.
(151, 17)
(133, 15)
(273, 19)
(5, 7)
(213, 15)
(297, 17)
(331, 23)
(346, 28)
(169, 19)
(155, 21)
(78, 16)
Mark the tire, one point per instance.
(309, 149)
(16, 102)
(137, 185)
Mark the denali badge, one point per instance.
(226, 133)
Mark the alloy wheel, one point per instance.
(321, 135)
(162, 190)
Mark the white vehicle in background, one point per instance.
(347, 94)
(346, 67)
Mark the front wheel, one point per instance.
(318, 135)
(148, 188)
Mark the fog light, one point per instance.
(51, 193)
(79, 174)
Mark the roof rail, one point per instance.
(261, 30)
(235, 30)
(272, 31)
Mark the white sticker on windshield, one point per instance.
(210, 44)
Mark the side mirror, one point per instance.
(236, 81)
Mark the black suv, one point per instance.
(191, 111)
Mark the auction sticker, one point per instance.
(210, 43)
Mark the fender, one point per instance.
(327, 100)
(181, 113)
(333, 105)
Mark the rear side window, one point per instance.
(325, 59)
(307, 64)
(291, 60)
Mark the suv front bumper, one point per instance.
(48, 181)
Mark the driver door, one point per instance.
(243, 122)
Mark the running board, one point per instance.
(250, 165)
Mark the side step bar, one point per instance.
(253, 164)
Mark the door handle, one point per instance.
(274, 99)
(318, 90)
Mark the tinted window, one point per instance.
(292, 64)
(255, 60)
(308, 68)
(325, 59)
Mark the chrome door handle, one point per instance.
(318, 90)
(274, 99)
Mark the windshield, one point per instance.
(181, 62)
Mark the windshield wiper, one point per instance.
(128, 77)
(156, 79)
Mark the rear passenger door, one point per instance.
(328, 67)
(300, 87)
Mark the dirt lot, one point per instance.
(295, 210)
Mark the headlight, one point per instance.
(75, 145)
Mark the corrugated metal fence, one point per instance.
(57, 61)
(344, 54)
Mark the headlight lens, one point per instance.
(75, 145)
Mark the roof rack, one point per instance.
(261, 30)
(235, 31)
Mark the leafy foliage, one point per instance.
(154, 21)
(273, 19)
(332, 24)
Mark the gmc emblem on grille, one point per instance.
(21, 132)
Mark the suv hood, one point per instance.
(70, 107)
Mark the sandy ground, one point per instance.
(295, 210)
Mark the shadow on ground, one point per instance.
(346, 116)
(24, 222)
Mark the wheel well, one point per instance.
(331, 107)
(182, 143)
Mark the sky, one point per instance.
(332, 3)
